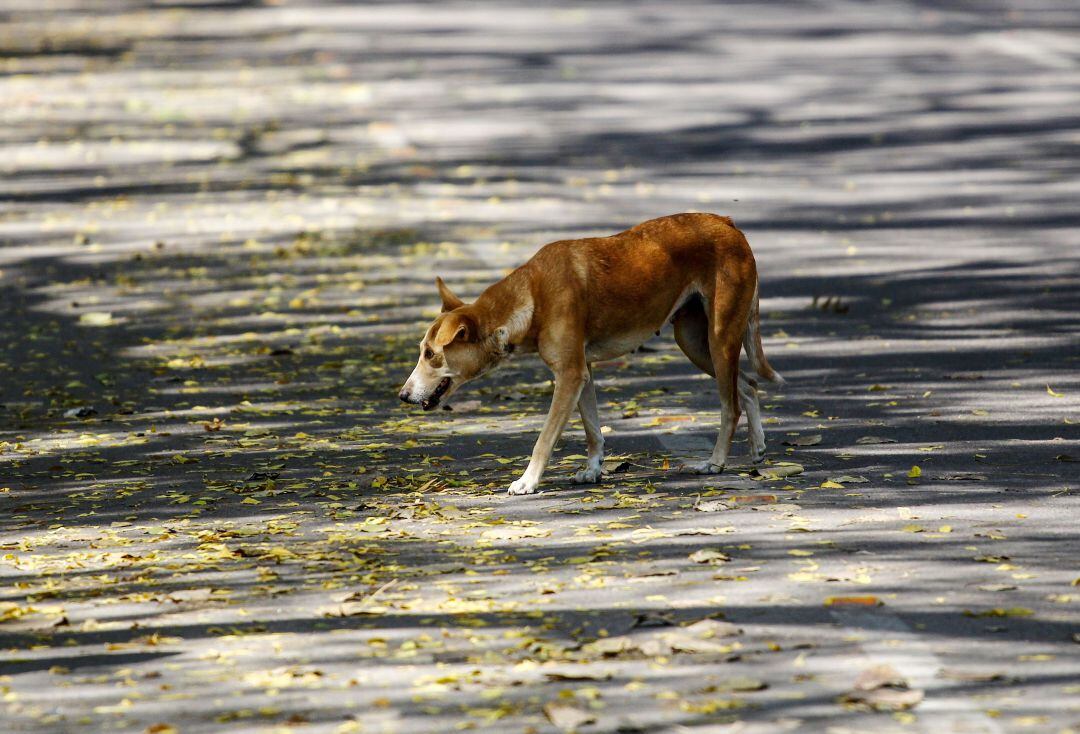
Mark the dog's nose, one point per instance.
(403, 395)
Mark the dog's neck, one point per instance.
(508, 304)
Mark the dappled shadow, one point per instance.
(219, 227)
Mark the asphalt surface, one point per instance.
(219, 228)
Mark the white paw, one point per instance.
(700, 467)
(522, 486)
(588, 475)
(757, 455)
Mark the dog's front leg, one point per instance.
(568, 384)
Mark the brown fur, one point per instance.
(579, 301)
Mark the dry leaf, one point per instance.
(780, 470)
(882, 688)
(811, 440)
(878, 677)
(709, 555)
(567, 718)
(96, 318)
(514, 532)
(970, 676)
(858, 601)
(885, 699)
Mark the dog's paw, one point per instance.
(522, 486)
(588, 475)
(700, 467)
(757, 456)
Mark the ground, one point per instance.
(220, 225)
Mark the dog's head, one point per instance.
(454, 350)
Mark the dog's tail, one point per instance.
(752, 345)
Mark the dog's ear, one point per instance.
(449, 300)
(455, 327)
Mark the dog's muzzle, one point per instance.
(432, 401)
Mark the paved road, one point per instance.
(219, 227)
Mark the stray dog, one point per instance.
(581, 301)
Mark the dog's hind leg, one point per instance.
(590, 418)
(726, 315)
(748, 399)
(692, 335)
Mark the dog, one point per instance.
(576, 302)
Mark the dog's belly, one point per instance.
(616, 345)
(633, 335)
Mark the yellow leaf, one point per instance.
(1000, 612)
(1051, 393)
(249, 501)
(800, 552)
(511, 532)
(104, 318)
(914, 472)
(662, 419)
(830, 484)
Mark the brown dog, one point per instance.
(580, 301)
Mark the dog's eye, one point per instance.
(428, 354)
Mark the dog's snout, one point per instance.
(403, 395)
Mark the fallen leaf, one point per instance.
(970, 676)
(878, 676)
(514, 532)
(566, 717)
(780, 470)
(811, 440)
(865, 440)
(572, 675)
(752, 499)
(709, 555)
(1000, 612)
(991, 559)
(914, 472)
(190, 595)
(96, 318)
(615, 466)
(739, 684)
(160, 729)
(882, 688)
(713, 628)
(858, 601)
(1051, 393)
